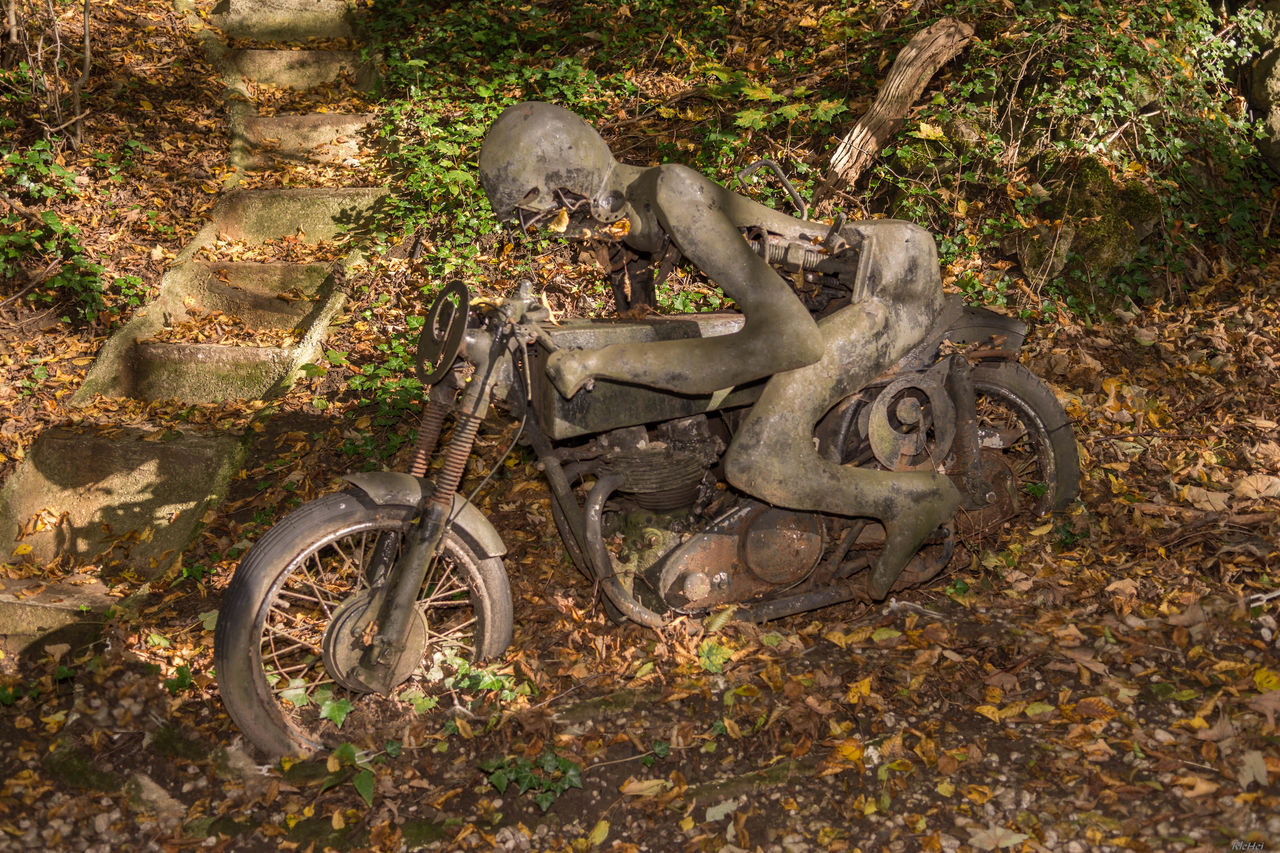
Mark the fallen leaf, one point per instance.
(991, 712)
(1204, 499)
(1257, 486)
(722, 810)
(1267, 703)
(1220, 730)
(1266, 680)
(644, 787)
(1253, 768)
(1196, 786)
(996, 837)
(599, 833)
(850, 749)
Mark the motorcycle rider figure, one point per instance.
(539, 159)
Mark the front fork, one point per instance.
(395, 593)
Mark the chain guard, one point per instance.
(911, 423)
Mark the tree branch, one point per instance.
(914, 67)
(76, 88)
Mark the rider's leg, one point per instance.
(772, 454)
(765, 344)
(779, 333)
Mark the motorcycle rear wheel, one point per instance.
(1020, 418)
(273, 646)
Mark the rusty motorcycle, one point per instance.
(395, 588)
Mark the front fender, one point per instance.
(397, 487)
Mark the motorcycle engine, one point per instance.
(670, 549)
(664, 471)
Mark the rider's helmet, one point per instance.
(539, 157)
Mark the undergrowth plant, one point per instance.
(1145, 89)
(38, 250)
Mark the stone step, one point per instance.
(321, 214)
(264, 296)
(262, 141)
(284, 20)
(35, 614)
(206, 372)
(121, 496)
(298, 69)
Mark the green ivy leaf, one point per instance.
(296, 694)
(336, 710)
(363, 783)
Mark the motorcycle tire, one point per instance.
(1019, 416)
(272, 648)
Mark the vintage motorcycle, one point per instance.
(395, 588)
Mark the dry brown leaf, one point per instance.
(1257, 486)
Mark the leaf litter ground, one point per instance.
(1099, 682)
(1107, 680)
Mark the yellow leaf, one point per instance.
(687, 823)
(332, 764)
(22, 550)
(945, 788)
(978, 793)
(599, 833)
(464, 728)
(1013, 709)
(836, 638)
(991, 712)
(643, 787)
(1042, 529)
(850, 750)
(1266, 680)
(858, 691)
(929, 131)
(560, 223)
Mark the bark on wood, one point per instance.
(914, 67)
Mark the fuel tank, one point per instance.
(612, 405)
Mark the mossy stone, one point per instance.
(73, 768)
(168, 741)
(1102, 225)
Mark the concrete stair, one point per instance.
(133, 495)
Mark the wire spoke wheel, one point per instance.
(1027, 445)
(294, 626)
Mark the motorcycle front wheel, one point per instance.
(283, 667)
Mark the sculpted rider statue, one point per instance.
(539, 159)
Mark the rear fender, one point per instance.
(399, 488)
(977, 325)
